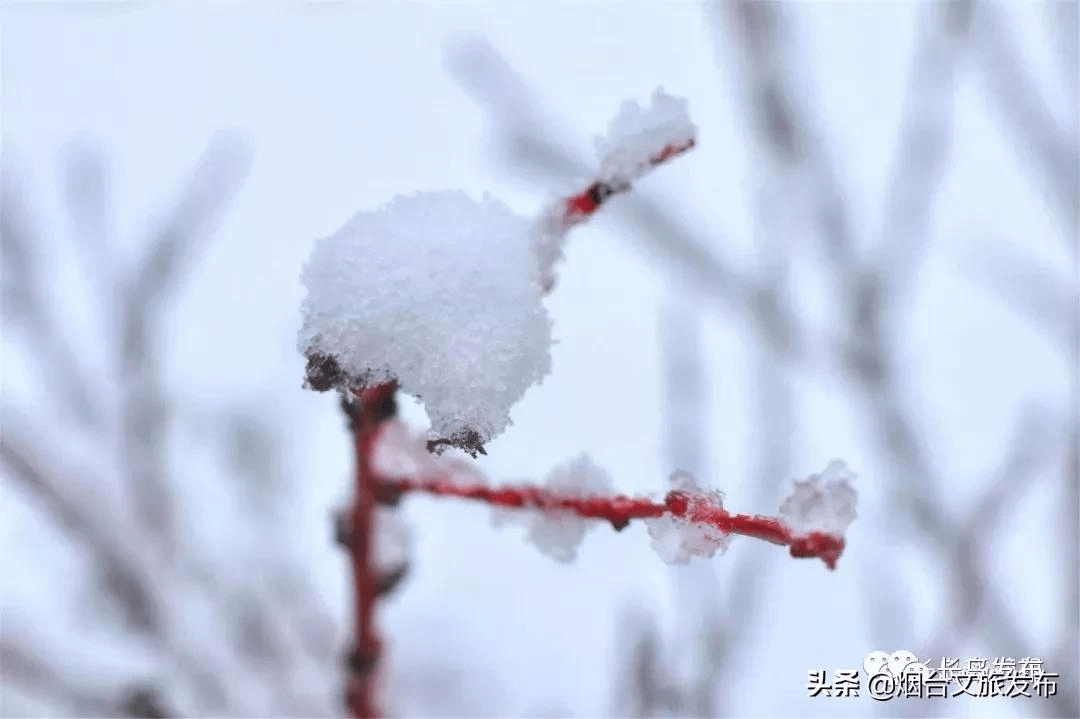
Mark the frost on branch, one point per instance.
(558, 532)
(637, 137)
(436, 291)
(687, 522)
(822, 502)
(676, 539)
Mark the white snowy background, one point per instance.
(344, 105)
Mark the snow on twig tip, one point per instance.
(638, 139)
(822, 502)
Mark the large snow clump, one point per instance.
(439, 292)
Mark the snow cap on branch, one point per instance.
(637, 136)
(822, 502)
(437, 291)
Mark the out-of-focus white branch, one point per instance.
(922, 147)
(1053, 149)
(1037, 293)
(533, 137)
(209, 191)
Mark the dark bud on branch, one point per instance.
(144, 703)
(388, 495)
(362, 661)
(343, 529)
(389, 581)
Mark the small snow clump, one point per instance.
(636, 141)
(439, 292)
(558, 532)
(676, 539)
(636, 135)
(822, 502)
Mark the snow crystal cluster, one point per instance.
(635, 139)
(675, 539)
(439, 292)
(822, 502)
(558, 533)
(636, 135)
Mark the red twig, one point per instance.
(620, 510)
(582, 205)
(578, 208)
(374, 406)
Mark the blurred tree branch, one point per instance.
(145, 565)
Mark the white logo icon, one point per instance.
(876, 662)
(900, 663)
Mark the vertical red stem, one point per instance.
(375, 405)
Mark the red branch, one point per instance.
(580, 206)
(620, 510)
(375, 405)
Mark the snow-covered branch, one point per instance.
(688, 521)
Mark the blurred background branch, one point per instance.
(275, 634)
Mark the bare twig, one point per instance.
(922, 147)
(26, 307)
(211, 188)
(1028, 454)
(765, 35)
(37, 677)
(86, 188)
(866, 293)
(1037, 293)
(1063, 20)
(272, 629)
(1053, 150)
(1028, 451)
(525, 128)
(126, 572)
(646, 689)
